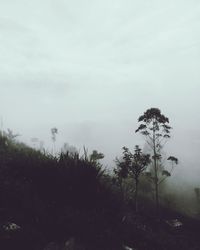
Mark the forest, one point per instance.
(71, 201)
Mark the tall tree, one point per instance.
(154, 126)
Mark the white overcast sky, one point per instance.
(91, 67)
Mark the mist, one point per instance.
(91, 69)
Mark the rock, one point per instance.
(11, 227)
(128, 248)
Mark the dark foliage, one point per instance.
(55, 198)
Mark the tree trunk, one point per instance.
(121, 189)
(156, 173)
(136, 195)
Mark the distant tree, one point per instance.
(96, 156)
(134, 165)
(69, 148)
(10, 135)
(34, 141)
(121, 173)
(54, 131)
(154, 127)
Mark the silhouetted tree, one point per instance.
(135, 164)
(69, 148)
(10, 135)
(95, 157)
(121, 173)
(54, 131)
(154, 127)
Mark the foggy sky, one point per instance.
(91, 68)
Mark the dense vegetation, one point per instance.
(56, 199)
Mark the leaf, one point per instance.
(173, 159)
(141, 127)
(166, 173)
